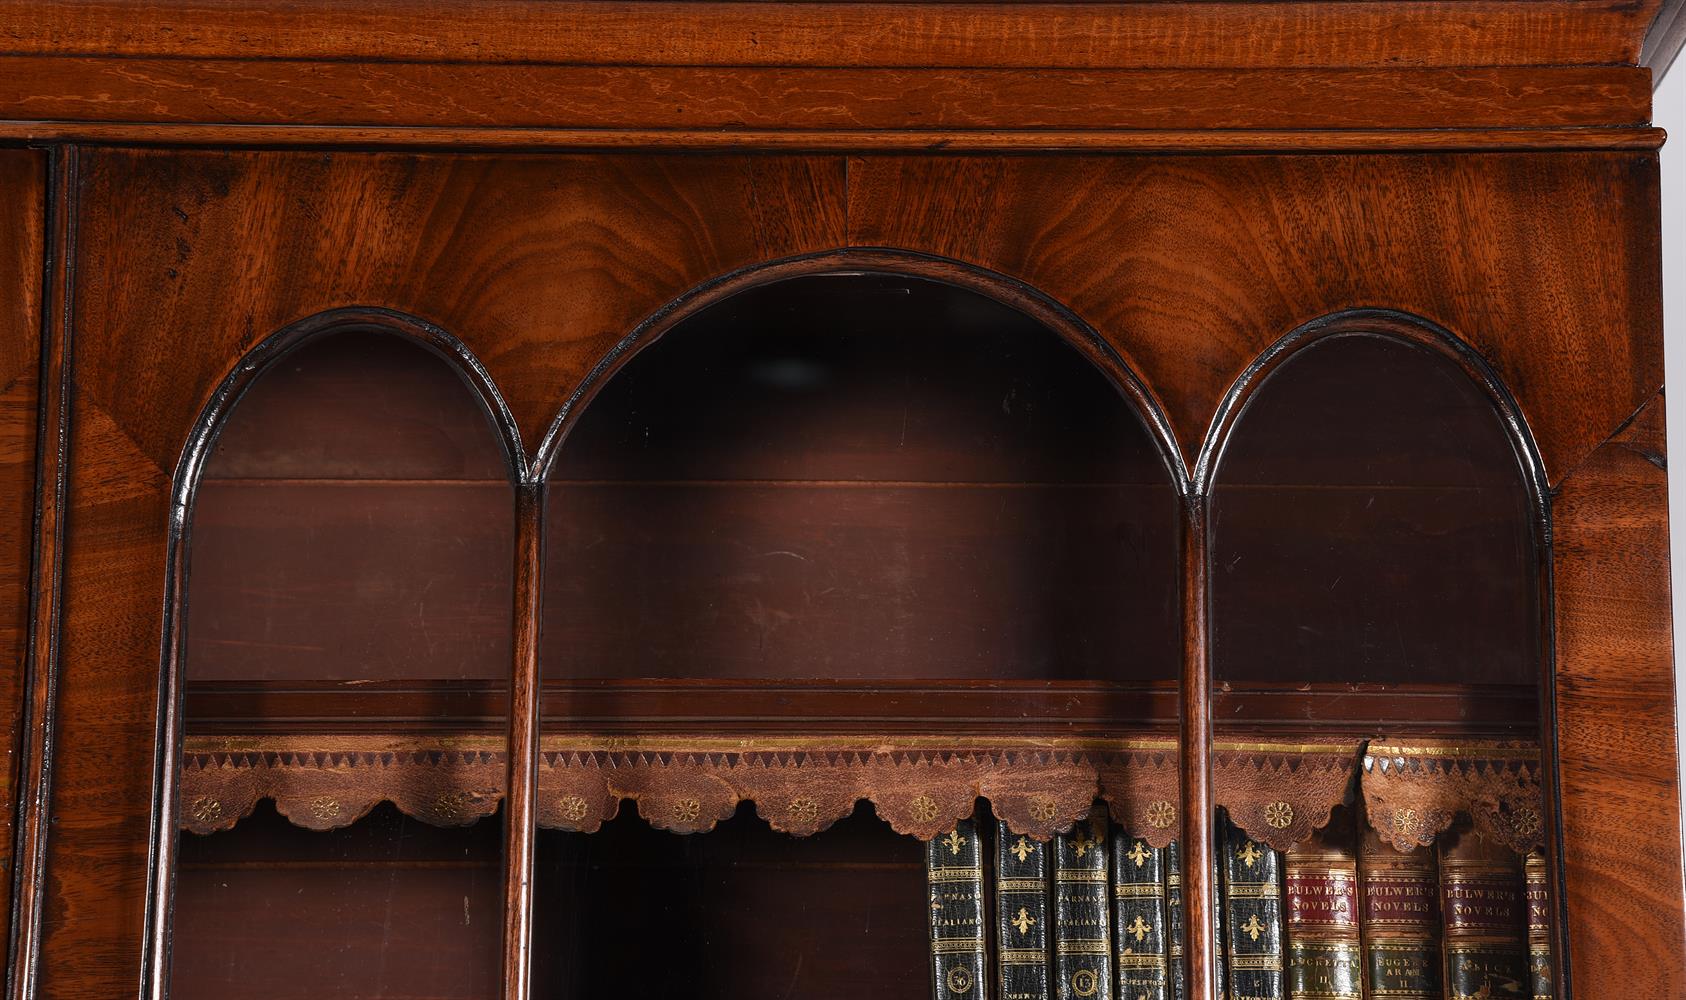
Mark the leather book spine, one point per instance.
(1486, 919)
(1320, 888)
(1174, 936)
(1400, 920)
(1082, 913)
(1252, 917)
(1021, 916)
(954, 872)
(1539, 927)
(1138, 918)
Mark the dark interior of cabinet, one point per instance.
(741, 912)
(862, 478)
(390, 907)
(1372, 526)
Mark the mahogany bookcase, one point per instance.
(446, 445)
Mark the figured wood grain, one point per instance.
(540, 264)
(23, 176)
(1616, 727)
(1192, 267)
(434, 95)
(1097, 35)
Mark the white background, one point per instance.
(1669, 112)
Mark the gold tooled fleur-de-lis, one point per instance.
(1023, 849)
(954, 841)
(1253, 927)
(1138, 853)
(1140, 928)
(1024, 921)
(1081, 843)
(1249, 853)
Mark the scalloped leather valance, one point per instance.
(1279, 793)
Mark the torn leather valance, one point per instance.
(1412, 793)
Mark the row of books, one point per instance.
(1096, 914)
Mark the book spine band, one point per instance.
(1320, 883)
(1252, 897)
(954, 873)
(1021, 916)
(1082, 919)
(1138, 918)
(1400, 920)
(1539, 928)
(1175, 980)
(1481, 902)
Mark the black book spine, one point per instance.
(1252, 917)
(1174, 936)
(954, 872)
(1021, 916)
(1082, 917)
(1139, 920)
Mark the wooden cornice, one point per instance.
(1229, 34)
(832, 75)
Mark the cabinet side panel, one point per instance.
(1615, 697)
(22, 201)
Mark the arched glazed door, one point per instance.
(858, 504)
(349, 551)
(1375, 569)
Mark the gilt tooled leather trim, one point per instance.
(920, 786)
(1413, 793)
(1277, 792)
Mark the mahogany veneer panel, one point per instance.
(540, 264)
(1193, 266)
(1615, 719)
(22, 203)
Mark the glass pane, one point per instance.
(348, 637)
(1372, 525)
(857, 477)
(815, 489)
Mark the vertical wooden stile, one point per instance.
(1196, 743)
(41, 665)
(520, 800)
